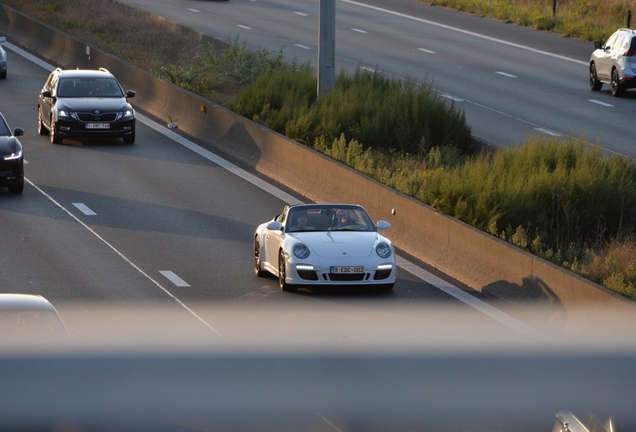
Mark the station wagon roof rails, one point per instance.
(104, 70)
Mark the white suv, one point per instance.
(614, 62)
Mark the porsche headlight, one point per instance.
(301, 251)
(13, 156)
(383, 250)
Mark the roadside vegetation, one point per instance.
(554, 197)
(591, 20)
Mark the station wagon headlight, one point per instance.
(64, 113)
(383, 250)
(301, 251)
(124, 114)
(13, 156)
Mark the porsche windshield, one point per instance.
(328, 218)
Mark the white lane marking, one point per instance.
(29, 56)
(548, 132)
(302, 46)
(194, 10)
(218, 160)
(301, 13)
(367, 68)
(25, 161)
(401, 262)
(283, 196)
(478, 35)
(427, 51)
(471, 301)
(600, 103)
(244, 27)
(174, 279)
(505, 74)
(453, 98)
(359, 31)
(329, 423)
(84, 209)
(132, 264)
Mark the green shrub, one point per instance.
(380, 113)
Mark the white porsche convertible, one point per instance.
(324, 244)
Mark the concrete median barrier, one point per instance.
(471, 256)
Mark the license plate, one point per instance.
(350, 269)
(97, 125)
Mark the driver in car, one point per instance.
(343, 220)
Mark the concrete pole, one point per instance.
(327, 47)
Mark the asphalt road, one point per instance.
(155, 223)
(149, 247)
(512, 82)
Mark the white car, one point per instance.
(29, 318)
(614, 62)
(324, 244)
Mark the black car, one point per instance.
(3, 59)
(84, 104)
(11, 158)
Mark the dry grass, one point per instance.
(592, 20)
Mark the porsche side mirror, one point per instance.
(274, 226)
(382, 225)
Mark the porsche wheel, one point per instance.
(258, 264)
(282, 274)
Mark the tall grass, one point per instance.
(591, 20)
(553, 197)
(219, 73)
(388, 115)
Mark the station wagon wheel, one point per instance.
(258, 265)
(282, 274)
(17, 189)
(617, 88)
(55, 137)
(129, 139)
(41, 128)
(595, 84)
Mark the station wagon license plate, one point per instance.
(97, 125)
(347, 269)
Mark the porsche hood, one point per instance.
(332, 244)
